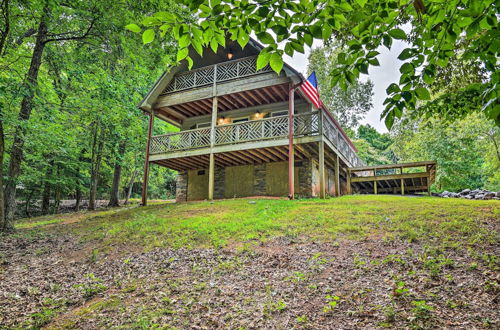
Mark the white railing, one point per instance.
(220, 72)
(254, 130)
(304, 124)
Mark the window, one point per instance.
(202, 125)
(240, 120)
(279, 113)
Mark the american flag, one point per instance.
(310, 88)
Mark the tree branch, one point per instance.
(80, 37)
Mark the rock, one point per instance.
(465, 192)
(489, 195)
(479, 196)
(498, 194)
(252, 202)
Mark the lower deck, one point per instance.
(406, 178)
(260, 172)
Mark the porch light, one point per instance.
(229, 53)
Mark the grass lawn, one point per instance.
(354, 261)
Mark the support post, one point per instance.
(291, 192)
(321, 153)
(146, 160)
(375, 182)
(322, 183)
(349, 191)
(337, 175)
(402, 184)
(211, 169)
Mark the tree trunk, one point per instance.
(27, 206)
(46, 189)
(114, 199)
(57, 194)
(78, 182)
(5, 33)
(94, 177)
(16, 153)
(5, 224)
(130, 186)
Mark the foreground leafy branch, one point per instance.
(435, 30)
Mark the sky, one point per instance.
(382, 77)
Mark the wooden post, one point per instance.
(291, 192)
(402, 184)
(146, 160)
(322, 183)
(375, 182)
(337, 175)
(349, 191)
(211, 169)
(321, 153)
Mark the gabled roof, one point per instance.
(252, 48)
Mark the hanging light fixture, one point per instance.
(229, 53)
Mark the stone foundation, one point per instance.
(306, 181)
(181, 187)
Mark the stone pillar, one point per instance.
(259, 179)
(305, 178)
(220, 175)
(181, 187)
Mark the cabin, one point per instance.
(244, 132)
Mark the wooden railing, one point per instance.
(304, 124)
(333, 134)
(219, 72)
(196, 138)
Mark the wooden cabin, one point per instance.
(244, 132)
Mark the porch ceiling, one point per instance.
(233, 158)
(244, 99)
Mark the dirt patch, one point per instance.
(282, 283)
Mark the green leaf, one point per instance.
(398, 34)
(263, 59)
(190, 62)
(276, 62)
(148, 36)
(423, 93)
(406, 68)
(393, 88)
(133, 27)
(316, 31)
(197, 46)
(214, 45)
(265, 38)
(361, 3)
(308, 38)
(405, 54)
(389, 120)
(182, 53)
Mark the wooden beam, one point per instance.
(337, 175)
(291, 110)
(211, 168)
(390, 166)
(349, 188)
(258, 155)
(322, 174)
(253, 97)
(247, 99)
(388, 177)
(268, 154)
